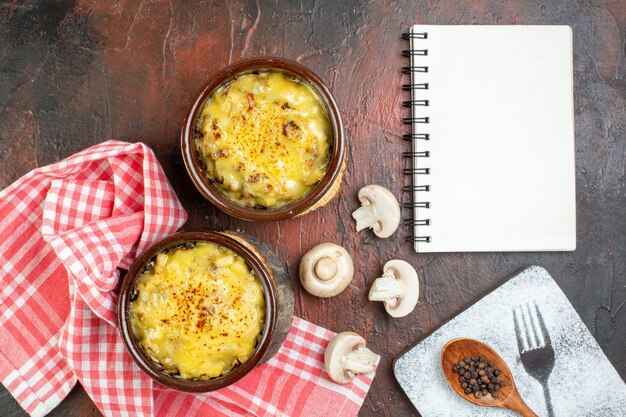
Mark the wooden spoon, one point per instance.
(456, 350)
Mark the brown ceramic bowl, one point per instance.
(321, 194)
(253, 259)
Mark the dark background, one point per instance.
(74, 74)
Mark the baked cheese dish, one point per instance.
(265, 139)
(198, 311)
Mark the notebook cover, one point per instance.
(582, 383)
(501, 150)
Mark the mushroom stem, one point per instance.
(386, 288)
(360, 362)
(326, 268)
(365, 217)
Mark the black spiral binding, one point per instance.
(411, 103)
(414, 35)
(413, 137)
(415, 52)
(412, 69)
(409, 87)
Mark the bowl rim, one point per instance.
(253, 260)
(212, 193)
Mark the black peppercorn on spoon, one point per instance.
(508, 397)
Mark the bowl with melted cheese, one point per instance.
(264, 141)
(197, 310)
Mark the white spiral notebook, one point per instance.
(492, 138)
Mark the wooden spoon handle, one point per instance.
(515, 403)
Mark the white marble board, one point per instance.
(582, 383)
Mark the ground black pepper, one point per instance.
(479, 377)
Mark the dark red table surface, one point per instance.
(74, 74)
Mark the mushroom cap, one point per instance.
(387, 208)
(326, 270)
(339, 347)
(405, 273)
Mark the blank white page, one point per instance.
(501, 149)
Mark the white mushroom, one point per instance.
(346, 356)
(379, 211)
(398, 288)
(326, 270)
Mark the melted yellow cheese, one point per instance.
(199, 311)
(265, 139)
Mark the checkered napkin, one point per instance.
(65, 231)
(290, 384)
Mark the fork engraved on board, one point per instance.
(535, 347)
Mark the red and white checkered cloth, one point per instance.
(65, 231)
